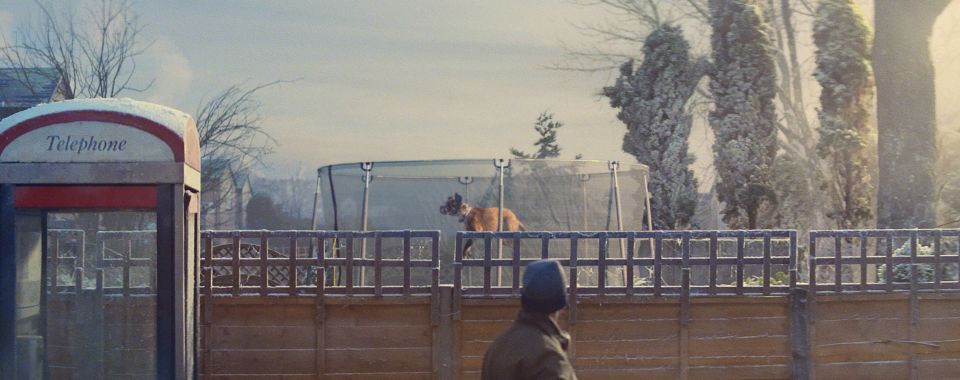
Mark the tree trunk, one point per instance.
(906, 114)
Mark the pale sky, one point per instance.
(416, 79)
(380, 80)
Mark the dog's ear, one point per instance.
(458, 197)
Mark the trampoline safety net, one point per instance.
(546, 195)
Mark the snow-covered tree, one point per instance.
(652, 100)
(743, 85)
(843, 42)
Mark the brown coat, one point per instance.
(534, 347)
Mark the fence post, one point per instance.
(572, 299)
(685, 308)
(811, 312)
(205, 304)
(320, 316)
(445, 354)
(798, 333)
(98, 322)
(264, 269)
(235, 264)
(914, 304)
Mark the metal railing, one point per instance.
(113, 268)
(321, 262)
(658, 263)
(746, 257)
(883, 260)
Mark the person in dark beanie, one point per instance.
(534, 347)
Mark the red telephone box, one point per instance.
(99, 204)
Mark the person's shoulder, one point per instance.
(533, 337)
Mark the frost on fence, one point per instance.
(643, 262)
(294, 262)
(884, 260)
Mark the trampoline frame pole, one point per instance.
(313, 218)
(316, 202)
(646, 195)
(499, 163)
(614, 167)
(466, 181)
(583, 200)
(367, 167)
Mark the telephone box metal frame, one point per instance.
(171, 189)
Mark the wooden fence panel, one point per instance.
(258, 336)
(626, 339)
(480, 322)
(679, 329)
(740, 337)
(735, 337)
(276, 337)
(370, 338)
(619, 337)
(869, 336)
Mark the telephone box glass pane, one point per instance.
(101, 295)
(29, 329)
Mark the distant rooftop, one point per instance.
(24, 88)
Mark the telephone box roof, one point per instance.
(175, 128)
(174, 120)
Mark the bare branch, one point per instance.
(95, 55)
(699, 9)
(232, 139)
(630, 22)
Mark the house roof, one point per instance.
(27, 87)
(223, 168)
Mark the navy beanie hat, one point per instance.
(544, 287)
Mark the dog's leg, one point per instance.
(466, 247)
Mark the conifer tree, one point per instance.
(652, 100)
(744, 117)
(547, 146)
(843, 42)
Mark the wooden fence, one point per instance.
(887, 310)
(100, 305)
(697, 304)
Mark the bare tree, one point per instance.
(797, 137)
(622, 34)
(94, 54)
(93, 50)
(232, 141)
